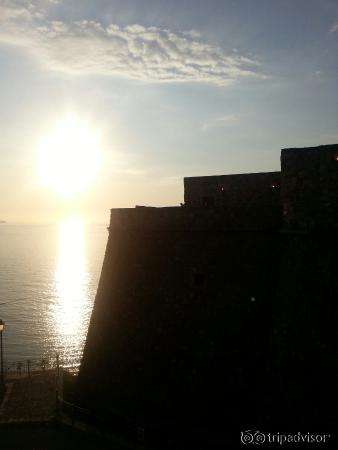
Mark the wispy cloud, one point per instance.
(221, 122)
(334, 27)
(134, 51)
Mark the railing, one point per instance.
(31, 375)
(49, 370)
(30, 366)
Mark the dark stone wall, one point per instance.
(254, 190)
(196, 219)
(213, 320)
(180, 328)
(310, 187)
(305, 336)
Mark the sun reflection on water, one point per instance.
(71, 288)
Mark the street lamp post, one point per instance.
(2, 326)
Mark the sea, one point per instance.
(48, 280)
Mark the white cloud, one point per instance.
(10, 11)
(221, 122)
(334, 27)
(134, 52)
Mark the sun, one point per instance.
(69, 157)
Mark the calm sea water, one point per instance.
(53, 271)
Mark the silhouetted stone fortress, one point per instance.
(221, 315)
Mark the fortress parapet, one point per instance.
(303, 196)
(233, 191)
(230, 217)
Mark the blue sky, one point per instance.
(176, 88)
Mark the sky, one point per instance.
(159, 89)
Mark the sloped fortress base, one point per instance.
(221, 315)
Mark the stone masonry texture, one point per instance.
(221, 315)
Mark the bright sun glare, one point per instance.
(69, 157)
